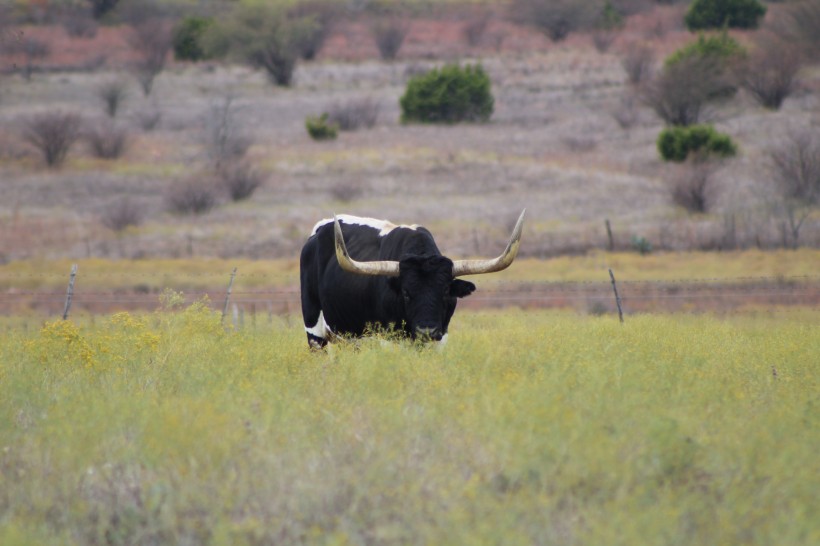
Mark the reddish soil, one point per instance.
(350, 40)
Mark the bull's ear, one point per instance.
(461, 289)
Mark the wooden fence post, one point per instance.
(617, 297)
(228, 295)
(70, 292)
(609, 235)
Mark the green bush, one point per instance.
(720, 47)
(705, 14)
(320, 129)
(678, 143)
(448, 95)
(188, 38)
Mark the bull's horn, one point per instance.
(476, 267)
(387, 268)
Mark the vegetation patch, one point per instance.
(679, 143)
(449, 94)
(162, 426)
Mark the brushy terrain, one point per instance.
(527, 428)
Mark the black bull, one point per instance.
(359, 272)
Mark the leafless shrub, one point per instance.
(580, 143)
(78, 22)
(626, 113)
(347, 190)
(602, 39)
(192, 195)
(389, 34)
(354, 114)
(692, 185)
(323, 13)
(112, 93)
(798, 24)
(769, 73)
(239, 179)
(30, 48)
(476, 28)
(151, 38)
(100, 8)
(795, 167)
(226, 140)
(637, 62)
(555, 18)
(681, 91)
(106, 140)
(149, 118)
(53, 133)
(122, 215)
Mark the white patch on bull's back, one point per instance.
(320, 329)
(383, 226)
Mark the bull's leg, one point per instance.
(316, 329)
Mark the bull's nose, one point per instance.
(428, 333)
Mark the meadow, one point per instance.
(528, 427)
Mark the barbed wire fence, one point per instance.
(277, 294)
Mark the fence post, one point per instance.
(228, 295)
(617, 297)
(70, 292)
(609, 234)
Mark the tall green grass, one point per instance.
(527, 428)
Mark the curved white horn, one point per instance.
(387, 268)
(476, 267)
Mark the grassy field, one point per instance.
(527, 428)
(157, 275)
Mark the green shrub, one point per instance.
(705, 14)
(678, 143)
(720, 47)
(448, 95)
(320, 129)
(188, 38)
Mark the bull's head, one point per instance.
(428, 285)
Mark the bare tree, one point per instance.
(195, 194)
(122, 214)
(264, 36)
(637, 62)
(692, 184)
(354, 114)
(679, 93)
(152, 39)
(798, 24)
(30, 48)
(769, 73)
(53, 133)
(239, 179)
(555, 18)
(796, 170)
(112, 93)
(226, 140)
(389, 34)
(475, 28)
(99, 8)
(107, 140)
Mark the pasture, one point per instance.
(528, 427)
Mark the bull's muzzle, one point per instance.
(428, 334)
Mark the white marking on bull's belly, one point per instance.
(383, 226)
(443, 341)
(320, 329)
